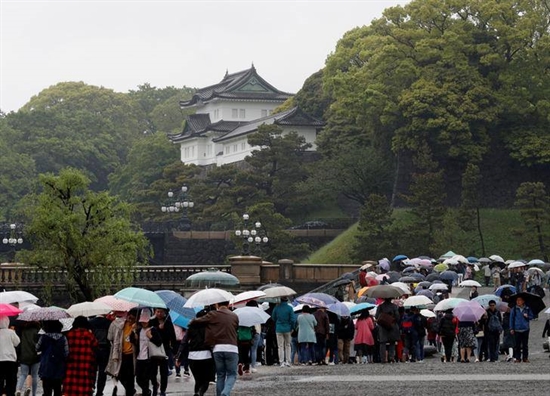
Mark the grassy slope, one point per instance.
(496, 224)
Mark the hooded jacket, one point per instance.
(8, 341)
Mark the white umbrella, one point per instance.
(516, 264)
(470, 283)
(403, 286)
(17, 296)
(438, 286)
(89, 308)
(250, 316)
(298, 307)
(536, 262)
(450, 261)
(244, 297)
(495, 257)
(279, 291)
(448, 303)
(417, 301)
(427, 313)
(208, 297)
(460, 259)
(530, 271)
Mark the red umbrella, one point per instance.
(371, 281)
(9, 310)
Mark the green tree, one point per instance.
(76, 125)
(375, 236)
(86, 234)
(534, 205)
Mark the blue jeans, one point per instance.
(307, 353)
(294, 350)
(320, 348)
(420, 347)
(226, 372)
(254, 350)
(26, 370)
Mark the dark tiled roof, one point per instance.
(292, 117)
(243, 85)
(194, 128)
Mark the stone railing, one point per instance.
(151, 277)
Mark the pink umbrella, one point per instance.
(9, 310)
(117, 304)
(468, 311)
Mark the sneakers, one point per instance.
(186, 373)
(283, 364)
(18, 393)
(287, 364)
(27, 392)
(240, 369)
(253, 370)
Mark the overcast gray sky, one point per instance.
(121, 44)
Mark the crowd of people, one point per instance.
(141, 348)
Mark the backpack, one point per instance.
(447, 327)
(244, 333)
(494, 324)
(407, 324)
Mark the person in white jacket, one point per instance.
(8, 357)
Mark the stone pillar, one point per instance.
(246, 269)
(285, 269)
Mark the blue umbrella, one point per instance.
(143, 297)
(448, 275)
(472, 259)
(418, 276)
(361, 307)
(484, 299)
(173, 300)
(400, 257)
(182, 320)
(502, 289)
(339, 309)
(427, 293)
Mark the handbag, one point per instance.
(156, 352)
(386, 320)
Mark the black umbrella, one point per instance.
(408, 279)
(533, 301)
(342, 282)
(384, 291)
(393, 276)
(417, 276)
(432, 277)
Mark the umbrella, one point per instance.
(468, 311)
(250, 316)
(382, 277)
(506, 290)
(268, 285)
(484, 260)
(183, 319)
(532, 270)
(427, 293)
(207, 297)
(393, 276)
(418, 276)
(536, 262)
(279, 291)
(460, 259)
(497, 258)
(432, 277)
(298, 308)
(117, 304)
(448, 303)
(470, 283)
(402, 286)
(384, 291)
(417, 301)
(424, 284)
(362, 291)
(144, 297)
(89, 308)
(449, 254)
(174, 301)
(448, 275)
(371, 281)
(441, 267)
(408, 279)
(450, 261)
(361, 307)
(472, 259)
(244, 297)
(533, 301)
(439, 286)
(516, 264)
(9, 310)
(384, 264)
(17, 296)
(341, 282)
(400, 257)
(484, 299)
(427, 313)
(48, 313)
(339, 309)
(314, 298)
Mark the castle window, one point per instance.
(234, 113)
(242, 113)
(264, 112)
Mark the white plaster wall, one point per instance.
(253, 110)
